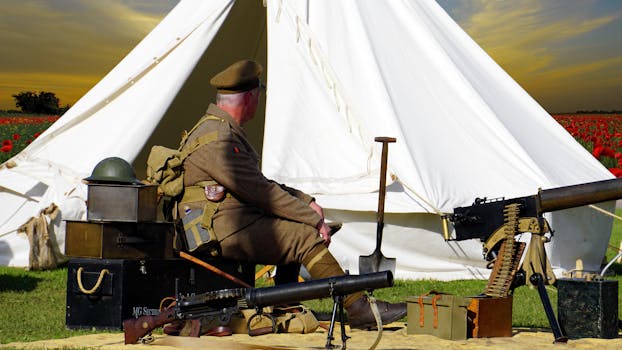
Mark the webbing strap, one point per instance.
(198, 142)
(193, 226)
(193, 194)
(203, 119)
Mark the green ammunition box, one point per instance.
(437, 314)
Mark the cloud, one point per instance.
(524, 36)
(72, 40)
(554, 49)
(590, 85)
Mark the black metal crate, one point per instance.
(588, 309)
(101, 293)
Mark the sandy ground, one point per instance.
(393, 337)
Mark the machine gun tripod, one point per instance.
(496, 222)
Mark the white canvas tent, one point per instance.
(338, 74)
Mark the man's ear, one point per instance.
(246, 97)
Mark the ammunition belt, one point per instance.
(507, 260)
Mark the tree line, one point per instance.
(43, 102)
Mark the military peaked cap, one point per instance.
(238, 77)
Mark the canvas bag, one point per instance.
(165, 169)
(295, 319)
(165, 165)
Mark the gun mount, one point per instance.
(497, 221)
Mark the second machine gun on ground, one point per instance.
(222, 304)
(496, 223)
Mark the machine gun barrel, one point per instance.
(485, 217)
(579, 195)
(317, 289)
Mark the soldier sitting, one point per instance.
(255, 219)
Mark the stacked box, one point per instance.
(116, 202)
(119, 240)
(122, 260)
(101, 293)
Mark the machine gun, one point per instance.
(220, 305)
(495, 222)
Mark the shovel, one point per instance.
(377, 262)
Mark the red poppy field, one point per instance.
(601, 134)
(17, 132)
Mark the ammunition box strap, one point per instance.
(435, 297)
(435, 309)
(421, 317)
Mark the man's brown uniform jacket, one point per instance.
(231, 161)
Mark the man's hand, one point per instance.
(322, 227)
(317, 209)
(325, 233)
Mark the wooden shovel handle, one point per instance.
(214, 269)
(383, 185)
(384, 139)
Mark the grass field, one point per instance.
(32, 303)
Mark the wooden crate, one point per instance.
(119, 240)
(489, 317)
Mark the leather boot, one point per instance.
(361, 317)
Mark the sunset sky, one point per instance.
(567, 54)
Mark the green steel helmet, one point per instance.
(113, 170)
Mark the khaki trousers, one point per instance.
(271, 241)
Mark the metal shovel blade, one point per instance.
(377, 262)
